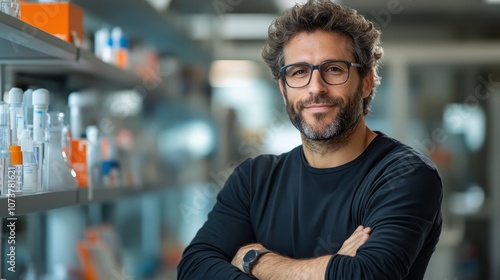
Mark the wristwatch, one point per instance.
(251, 258)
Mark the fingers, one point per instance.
(352, 244)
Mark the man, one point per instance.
(349, 203)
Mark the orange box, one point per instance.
(63, 19)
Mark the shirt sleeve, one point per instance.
(227, 229)
(402, 209)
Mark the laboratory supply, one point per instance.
(82, 111)
(120, 47)
(30, 165)
(40, 106)
(65, 20)
(4, 146)
(28, 107)
(15, 170)
(93, 156)
(4, 126)
(4, 165)
(16, 113)
(40, 101)
(111, 173)
(108, 52)
(57, 174)
(78, 160)
(101, 38)
(10, 7)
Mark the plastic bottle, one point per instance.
(16, 167)
(16, 113)
(82, 112)
(4, 126)
(101, 38)
(82, 109)
(4, 165)
(40, 99)
(110, 166)
(120, 47)
(93, 156)
(58, 172)
(28, 107)
(4, 146)
(11, 7)
(108, 54)
(30, 166)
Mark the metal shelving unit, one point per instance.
(156, 29)
(30, 203)
(28, 51)
(21, 43)
(24, 204)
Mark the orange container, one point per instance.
(64, 20)
(78, 161)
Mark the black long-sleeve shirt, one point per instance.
(301, 212)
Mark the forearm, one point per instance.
(276, 267)
(198, 264)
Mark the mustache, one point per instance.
(320, 99)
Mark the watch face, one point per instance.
(250, 256)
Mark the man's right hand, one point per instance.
(357, 238)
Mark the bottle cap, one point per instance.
(110, 42)
(15, 95)
(16, 156)
(123, 44)
(41, 96)
(108, 165)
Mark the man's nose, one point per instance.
(317, 84)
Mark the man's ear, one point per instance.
(368, 82)
(282, 90)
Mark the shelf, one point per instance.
(108, 194)
(29, 203)
(89, 64)
(31, 53)
(21, 43)
(139, 19)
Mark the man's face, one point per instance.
(321, 111)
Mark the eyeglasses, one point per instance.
(333, 72)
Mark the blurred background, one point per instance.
(194, 99)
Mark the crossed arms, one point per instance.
(273, 266)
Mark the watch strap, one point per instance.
(247, 267)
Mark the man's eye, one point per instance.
(334, 69)
(299, 71)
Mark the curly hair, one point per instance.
(327, 16)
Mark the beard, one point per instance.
(339, 127)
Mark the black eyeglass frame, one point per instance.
(318, 67)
